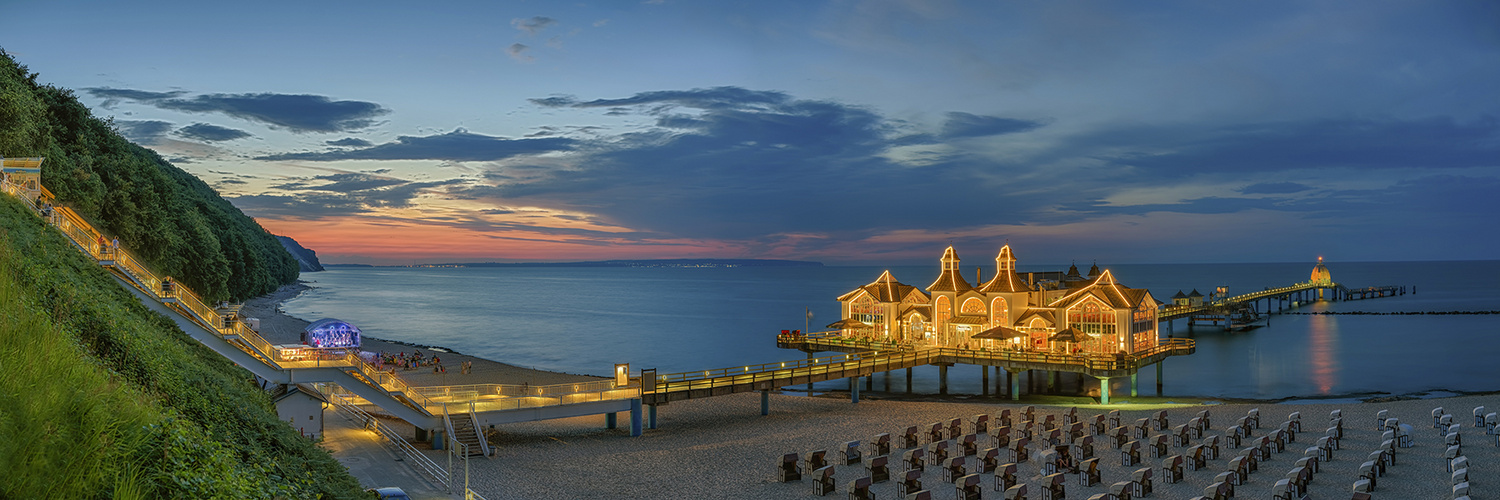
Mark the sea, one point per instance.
(677, 319)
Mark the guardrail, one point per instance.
(424, 464)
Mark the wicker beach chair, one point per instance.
(955, 468)
(1049, 423)
(1142, 428)
(969, 445)
(1054, 487)
(914, 459)
(1003, 418)
(859, 489)
(1218, 491)
(879, 469)
(955, 428)
(1098, 425)
(968, 487)
(911, 438)
(1160, 420)
(1143, 481)
(1071, 415)
(1367, 472)
(1195, 459)
(981, 423)
(911, 482)
(988, 460)
(1048, 461)
(787, 468)
(938, 452)
(1113, 418)
(1181, 436)
(1378, 456)
(1171, 469)
(1228, 477)
(934, 432)
(1159, 446)
(1089, 473)
(1301, 478)
(823, 483)
(1019, 451)
(880, 444)
(1121, 436)
(1211, 447)
(1001, 436)
(850, 453)
(1083, 447)
(815, 460)
(1380, 417)
(1122, 490)
(1130, 454)
(1005, 477)
(1075, 430)
(1017, 492)
(1195, 425)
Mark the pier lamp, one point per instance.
(622, 374)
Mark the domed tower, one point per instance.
(945, 291)
(1320, 275)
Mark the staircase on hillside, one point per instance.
(465, 432)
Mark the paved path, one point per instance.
(374, 461)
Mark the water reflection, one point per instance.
(1323, 336)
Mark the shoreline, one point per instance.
(278, 327)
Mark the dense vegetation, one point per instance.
(173, 220)
(102, 398)
(99, 396)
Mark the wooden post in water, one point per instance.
(908, 380)
(1158, 376)
(942, 378)
(984, 380)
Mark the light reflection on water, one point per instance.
(583, 320)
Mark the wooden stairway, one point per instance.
(465, 432)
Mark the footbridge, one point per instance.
(1276, 299)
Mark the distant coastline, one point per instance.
(684, 263)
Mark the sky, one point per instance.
(846, 132)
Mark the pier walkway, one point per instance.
(1280, 298)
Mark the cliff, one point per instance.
(307, 260)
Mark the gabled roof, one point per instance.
(1045, 314)
(1179, 295)
(883, 289)
(1005, 282)
(286, 391)
(1107, 290)
(950, 280)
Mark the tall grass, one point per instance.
(68, 429)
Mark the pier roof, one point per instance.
(950, 280)
(883, 289)
(1106, 289)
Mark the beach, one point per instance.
(722, 447)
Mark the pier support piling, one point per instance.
(908, 380)
(1104, 390)
(1158, 376)
(765, 403)
(651, 417)
(942, 379)
(1015, 385)
(609, 420)
(1133, 385)
(870, 383)
(635, 418)
(854, 389)
(984, 380)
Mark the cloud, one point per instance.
(960, 124)
(1275, 188)
(600, 23)
(517, 51)
(211, 133)
(337, 194)
(143, 132)
(294, 112)
(533, 25)
(350, 142)
(458, 145)
(709, 98)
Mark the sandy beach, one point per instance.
(722, 447)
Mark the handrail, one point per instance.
(424, 463)
(484, 443)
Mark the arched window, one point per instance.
(865, 309)
(1092, 319)
(974, 306)
(942, 309)
(999, 315)
(916, 329)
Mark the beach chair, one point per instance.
(968, 487)
(1143, 482)
(1403, 432)
(1461, 490)
(1024, 429)
(1301, 478)
(1380, 462)
(1195, 425)
(1049, 423)
(1180, 436)
(1264, 446)
(955, 428)
(919, 495)
(1289, 431)
(879, 468)
(938, 452)
(954, 468)
(1001, 436)
(1380, 417)
(1254, 415)
(1071, 416)
(1017, 492)
(1159, 446)
(1362, 486)
(1142, 428)
(1003, 418)
(1121, 436)
(823, 480)
(1234, 435)
(1335, 413)
(880, 444)
(1325, 450)
(1311, 463)
(1171, 469)
(1366, 496)
(1075, 431)
(1211, 447)
(1252, 458)
(1338, 423)
(934, 432)
(1478, 416)
(1065, 461)
(1195, 458)
(981, 424)
(859, 489)
(1459, 476)
(1240, 466)
(1048, 461)
(1203, 416)
(969, 445)
(1453, 453)
(1130, 454)
(1054, 437)
(1112, 418)
(1389, 447)
(1453, 439)
(787, 468)
(850, 453)
(1245, 426)
(1054, 487)
(1122, 490)
(1160, 420)
(914, 459)
(1218, 491)
(1282, 490)
(1458, 462)
(1018, 450)
(1437, 415)
(815, 460)
(1098, 425)
(988, 460)
(1005, 477)
(1083, 447)
(1367, 471)
(911, 482)
(911, 438)
(1491, 423)
(1028, 413)
(1228, 477)
(1279, 440)
(1090, 473)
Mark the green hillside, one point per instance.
(99, 396)
(171, 219)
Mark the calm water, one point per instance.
(583, 320)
